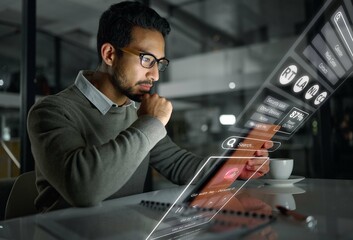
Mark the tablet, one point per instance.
(227, 168)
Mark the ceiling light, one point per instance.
(232, 85)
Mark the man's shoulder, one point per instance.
(67, 98)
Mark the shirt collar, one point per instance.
(97, 98)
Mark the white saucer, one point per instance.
(283, 182)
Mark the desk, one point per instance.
(329, 201)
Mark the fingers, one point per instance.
(258, 164)
(263, 152)
(268, 145)
(155, 106)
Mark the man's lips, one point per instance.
(145, 87)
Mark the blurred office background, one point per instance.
(221, 52)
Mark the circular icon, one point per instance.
(320, 98)
(301, 84)
(288, 74)
(312, 91)
(231, 174)
(231, 142)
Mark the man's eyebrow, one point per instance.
(150, 53)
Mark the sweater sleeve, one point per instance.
(176, 164)
(85, 174)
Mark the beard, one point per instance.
(121, 84)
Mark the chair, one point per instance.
(21, 199)
(5, 189)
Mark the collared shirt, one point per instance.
(96, 97)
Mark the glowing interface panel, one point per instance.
(314, 67)
(215, 190)
(201, 208)
(312, 70)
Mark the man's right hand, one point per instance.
(155, 106)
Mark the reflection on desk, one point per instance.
(329, 201)
(279, 195)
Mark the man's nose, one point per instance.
(153, 73)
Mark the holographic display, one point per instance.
(214, 190)
(314, 67)
(310, 72)
(199, 208)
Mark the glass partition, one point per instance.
(58, 60)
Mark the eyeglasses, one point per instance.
(148, 60)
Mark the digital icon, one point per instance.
(231, 142)
(323, 68)
(292, 120)
(338, 50)
(237, 142)
(312, 92)
(320, 98)
(301, 84)
(231, 174)
(288, 74)
(297, 115)
(343, 28)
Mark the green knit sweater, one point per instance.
(83, 157)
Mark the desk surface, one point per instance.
(328, 201)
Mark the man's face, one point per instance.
(129, 77)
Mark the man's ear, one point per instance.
(108, 53)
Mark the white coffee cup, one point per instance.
(281, 168)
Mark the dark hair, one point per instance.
(116, 23)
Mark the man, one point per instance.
(91, 142)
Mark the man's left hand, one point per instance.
(254, 165)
